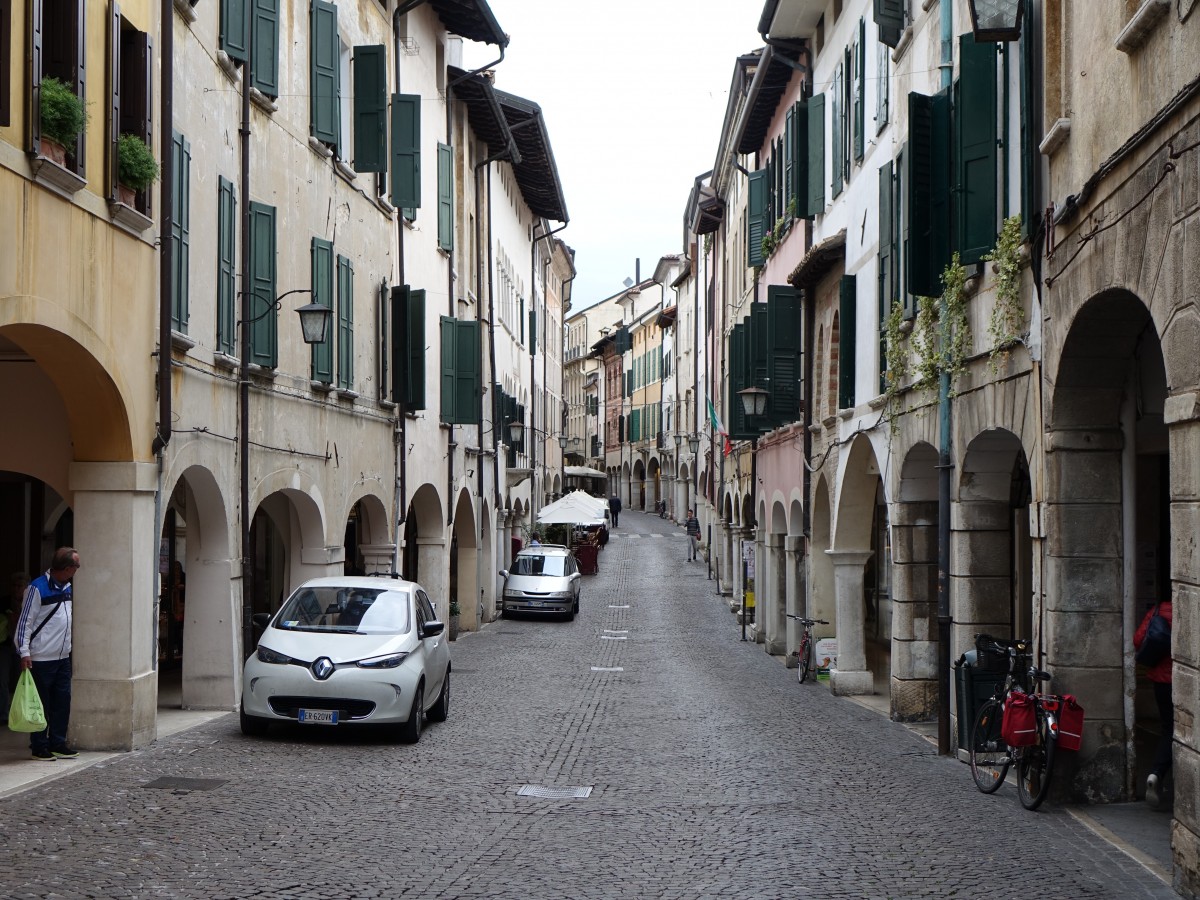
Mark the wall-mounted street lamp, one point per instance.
(694, 443)
(996, 20)
(516, 432)
(754, 401)
(562, 442)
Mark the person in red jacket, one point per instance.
(1160, 675)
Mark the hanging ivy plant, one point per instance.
(1006, 327)
(926, 368)
(897, 360)
(955, 332)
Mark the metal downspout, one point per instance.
(945, 461)
(244, 362)
(399, 431)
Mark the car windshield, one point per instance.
(539, 565)
(344, 610)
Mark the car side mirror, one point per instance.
(433, 628)
(503, 573)
(262, 620)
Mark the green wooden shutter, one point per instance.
(860, 90)
(784, 326)
(889, 16)
(815, 199)
(264, 67)
(406, 150)
(756, 211)
(760, 357)
(397, 343)
(370, 108)
(975, 150)
(887, 276)
(620, 429)
(235, 28)
(789, 157)
(324, 68)
(414, 349)
(928, 247)
(448, 391)
(837, 122)
(226, 266)
(264, 325)
(345, 323)
(533, 332)
(883, 88)
(445, 197)
(798, 196)
(181, 152)
(468, 372)
(321, 253)
(847, 323)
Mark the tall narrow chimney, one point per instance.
(637, 271)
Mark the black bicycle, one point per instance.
(1033, 754)
(804, 653)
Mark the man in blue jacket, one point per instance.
(43, 642)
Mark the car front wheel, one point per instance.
(253, 726)
(440, 710)
(410, 731)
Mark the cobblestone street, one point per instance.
(712, 773)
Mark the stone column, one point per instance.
(851, 675)
(377, 557)
(114, 701)
(434, 570)
(914, 611)
(723, 538)
(773, 625)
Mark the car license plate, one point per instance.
(535, 602)
(318, 716)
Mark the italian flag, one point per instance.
(718, 427)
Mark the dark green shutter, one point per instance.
(264, 67)
(975, 156)
(887, 276)
(789, 157)
(889, 16)
(397, 343)
(735, 418)
(800, 158)
(837, 121)
(760, 358)
(345, 323)
(323, 58)
(883, 84)
(235, 28)
(860, 90)
(181, 153)
(445, 197)
(620, 429)
(414, 350)
(815, 203)
(321, 252)
(370, 108)
(406, 150)
(928, 246)
(264, 324)
(784, 327)
(226, 266)
(533, 332)
(756, 210)
(847, 319)
(468, 372)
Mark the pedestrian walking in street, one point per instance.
(1159, 674)
(692, 527)
(614, 507)
(44, 644)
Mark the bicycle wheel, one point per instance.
(990, 757)
(1035, 767)
(805, 659)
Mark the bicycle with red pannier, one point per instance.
(1019, 725)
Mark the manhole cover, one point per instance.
(168, 783)
(554, 793)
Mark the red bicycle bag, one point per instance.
(1070, 723)
(1019, 726)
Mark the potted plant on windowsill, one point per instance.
(137, 168)
(63, 116)
(454, 614)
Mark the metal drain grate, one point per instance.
(168, 783)
(554, 793)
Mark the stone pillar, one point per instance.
(1182, 415)
(114, 701)
(851, 675)
(793, 591)
(433, 565)
(723, 537)
(773, 622)
(914, 611)
(1085, 638)
(980, 577)
(377, 557)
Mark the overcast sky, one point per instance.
(633, 93)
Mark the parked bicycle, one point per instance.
(804, 653)
(1018, 726)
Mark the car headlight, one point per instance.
(560, 595)
(267, 655)
(382, 662)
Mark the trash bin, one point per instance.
(975, 686)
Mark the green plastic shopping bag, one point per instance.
(26, 713)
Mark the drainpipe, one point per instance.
(166, 220)
(244, 363)
(945, 463)
(400, 431)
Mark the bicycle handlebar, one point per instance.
(807, 621)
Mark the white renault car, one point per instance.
(349, 651)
